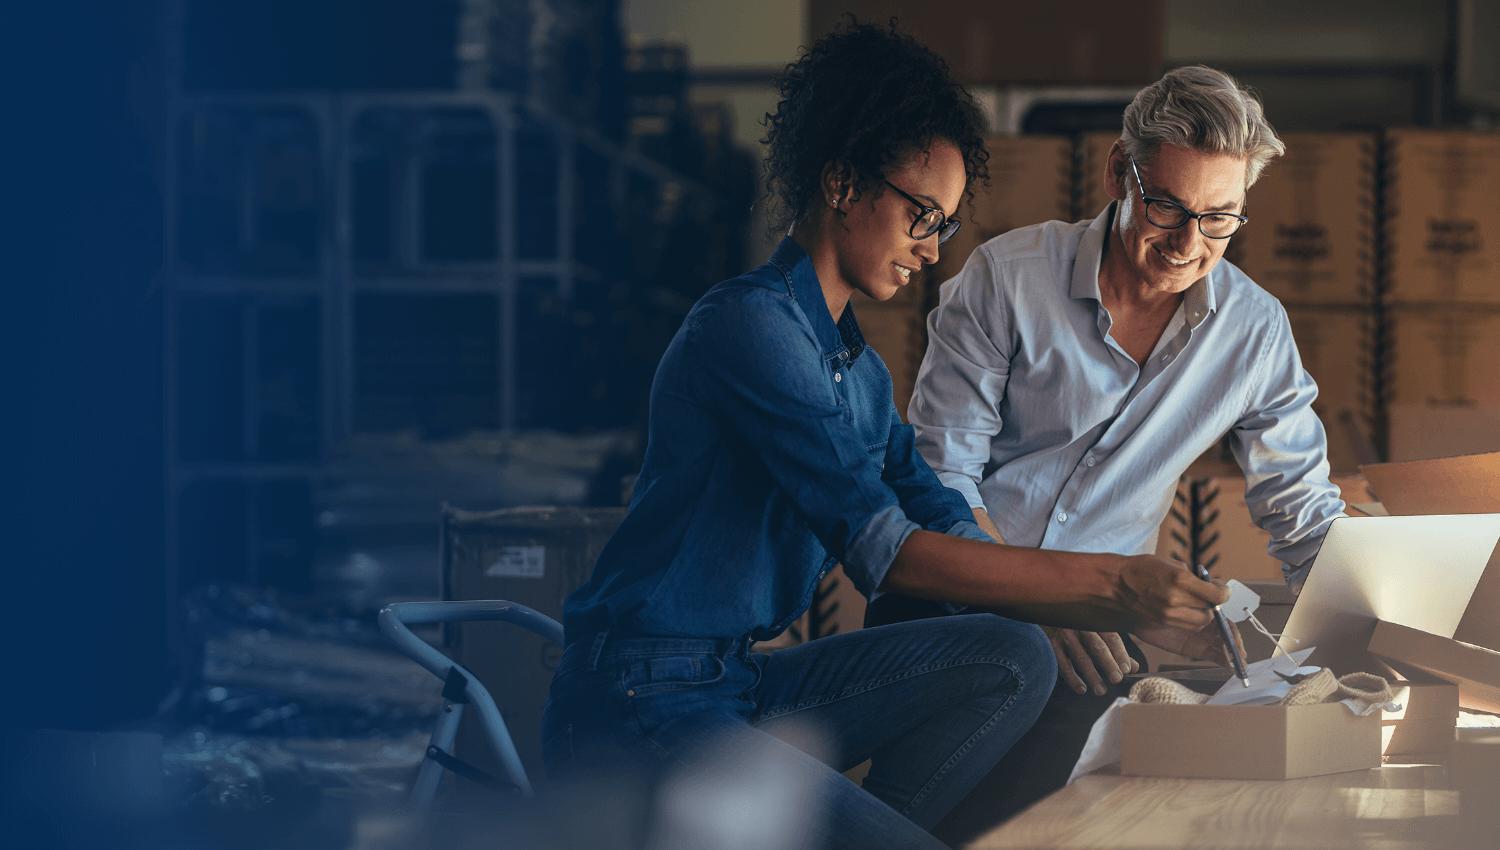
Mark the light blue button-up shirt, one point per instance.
(1029, 408)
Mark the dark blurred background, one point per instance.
(284, 277)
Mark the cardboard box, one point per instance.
(1426, 723)
(1424, 736)
(1311, 234)
(534, 556)
(1246, 741)
(1087, 41)
(1455, 485)
(1442, 237)
(1335, 347)
(1093, 153)
(1475, 774)
(1423, 431)
(898, 333)
(1031, 181)
(1474, 669)
(1424, 701)
(1446, 357)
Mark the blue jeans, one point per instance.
(933, 704)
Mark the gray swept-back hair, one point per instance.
(1200, 109)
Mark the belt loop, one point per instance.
(598, 648)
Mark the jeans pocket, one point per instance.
(656, 674)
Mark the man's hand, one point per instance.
(1086, 659)
(1162, 592)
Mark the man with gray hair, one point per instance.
(1074, 371)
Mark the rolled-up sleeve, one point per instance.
(955, 409)
(923, 497)
(764, 374)
(1281, 446)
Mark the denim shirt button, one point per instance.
(838, 377)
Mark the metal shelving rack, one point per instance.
(332, 284)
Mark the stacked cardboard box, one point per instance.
(534, 556)
(1443, 261)
(1310, 239)
(1093, 153)
(1311, 243)
(1031, 181)
(896, 332)
(1422, 730)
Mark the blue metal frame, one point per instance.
(393, 621)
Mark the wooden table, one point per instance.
(1390, 808)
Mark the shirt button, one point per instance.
(1166, 358)
(838, 377)
(1062, 517)
(1091, 461)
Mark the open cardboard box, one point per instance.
(1246, 741)
(1426, 721)
(1407, 575)
(1474, 669)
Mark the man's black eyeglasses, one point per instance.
(1170, 214)
(932, 220)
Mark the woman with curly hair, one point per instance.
(775, 451)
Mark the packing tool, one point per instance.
(1230, 645)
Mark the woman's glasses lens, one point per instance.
(934, 222)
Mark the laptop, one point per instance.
(1416, 571)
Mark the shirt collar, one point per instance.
(803, 285)
(1198, 300)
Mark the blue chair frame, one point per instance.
(461, 687)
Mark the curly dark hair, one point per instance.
(866, 97)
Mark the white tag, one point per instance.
(518, 562)
(1242, 602)
(1265, 686)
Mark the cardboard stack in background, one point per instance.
(1310, 242)
(895, 330)
(1030, 182)
(1443, 268)
(534, 556)
(1093, 152)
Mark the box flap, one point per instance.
(1474, 669)
(1452, 485)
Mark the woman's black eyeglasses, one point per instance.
(1170, 214)
(932, 220)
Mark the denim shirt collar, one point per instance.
(1197, 301)
(842, 339)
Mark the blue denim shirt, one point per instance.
(774, 451)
